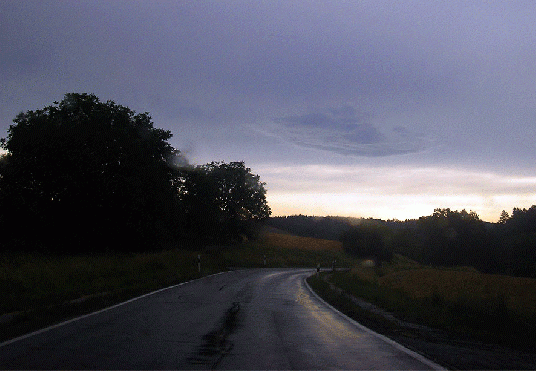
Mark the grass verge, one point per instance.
(39, 290)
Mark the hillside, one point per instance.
(328, 228)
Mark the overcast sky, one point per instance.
(375, 108)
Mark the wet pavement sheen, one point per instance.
(245, 319)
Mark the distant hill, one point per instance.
(270, 229)
(328, 228)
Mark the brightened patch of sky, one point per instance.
(398, 192)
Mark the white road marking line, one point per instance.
(22, 337)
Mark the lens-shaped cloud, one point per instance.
(346, 131)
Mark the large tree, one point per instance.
(223, 201)
(452, 238)
(86, 174)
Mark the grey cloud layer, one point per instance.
(464, 68)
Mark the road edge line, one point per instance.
(400, 347)
(40, 331)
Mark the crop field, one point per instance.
(285, 250)
(518, 293)
(306, 243)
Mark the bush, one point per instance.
(366, 242)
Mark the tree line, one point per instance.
(83, 175)
(450, 238)
(445, 238)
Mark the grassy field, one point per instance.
(284, 250)
(32, 281)
(460, 300)
(38, 290)
(306, 243)
(516, 294)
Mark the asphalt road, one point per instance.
(245, 319)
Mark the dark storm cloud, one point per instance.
(345, 131)
(457, 68)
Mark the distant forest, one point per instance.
(445, 238)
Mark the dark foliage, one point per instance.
(88, 176)
(83, 174)
(514, 242)
(448, 238)
(451, 238)
(367, 241)
(445, 238)
(232, 197)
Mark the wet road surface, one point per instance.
(245, 319)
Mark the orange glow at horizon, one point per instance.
(393, 192)
(387, 207)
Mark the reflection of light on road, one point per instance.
(324, 323)
(302, 297)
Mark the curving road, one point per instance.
(246, 319)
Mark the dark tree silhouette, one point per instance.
(366, 241)
(223, 201)
(452, 238)
(515, 242)
(504, 217)
(86, 175)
